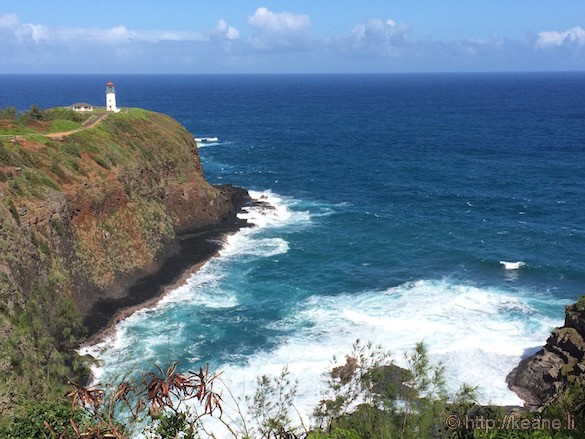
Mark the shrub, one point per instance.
(13, 211)
(102, 162)
(33, 113)
(5, 155)
(58, 171)
(8, 113)
(62, 113)
(73, 149)
(41, 419)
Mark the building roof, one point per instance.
(81, 104)
(110, 84)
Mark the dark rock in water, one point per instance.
(543, 376)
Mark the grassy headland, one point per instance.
(81, 218)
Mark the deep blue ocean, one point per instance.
(445, 208)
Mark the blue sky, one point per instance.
(298, 36)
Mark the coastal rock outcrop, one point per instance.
(544, 376)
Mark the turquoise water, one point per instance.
(397, 199)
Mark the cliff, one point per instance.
(83, 217)
(544, 377)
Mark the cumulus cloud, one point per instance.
(229, 32)
(376, 31)
(570, 37)
(224, 36)
(376, 36)
(279, 30)
(278, 21)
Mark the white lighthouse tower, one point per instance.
(111, 97)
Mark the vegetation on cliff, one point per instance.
(38, 121)
(82, 216)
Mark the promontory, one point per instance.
(83, 217)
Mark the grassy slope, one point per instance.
(74, 216)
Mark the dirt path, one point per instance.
(87, 124)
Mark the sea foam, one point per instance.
(136, 338)
(479, 334)
(512, 265)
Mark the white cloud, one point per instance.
(269, 21)
(38, 33)
(279, 30)
(274, 41)
(375, 37)
(376, 31)
(229, 32)
(573, 36)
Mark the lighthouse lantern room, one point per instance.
(111, 97)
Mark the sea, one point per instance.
(442, 208)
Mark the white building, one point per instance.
(111, 98)
(82, 106)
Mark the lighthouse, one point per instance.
(111, 97)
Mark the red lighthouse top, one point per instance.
(110, 84)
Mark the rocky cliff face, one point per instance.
(83, 217)
(544, 376)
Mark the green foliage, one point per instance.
(59, 119)
(58, 171)
(6, 156)
(45, 180)
(33, 113)
(8, 113)
(571, 401)
(580, 305)
(63, 113)
(17, 185)
(44, 247)
(31, 424)
(38, 138)
(13, 211)
(373, 398)
(172, 425)
(40, 348)
(135, 113)
(103, 162)
(338, 433)
(16, 130)
(271, 404)
(60, 125)
(358, 380)
(72, 148)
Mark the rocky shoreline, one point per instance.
(543, 377)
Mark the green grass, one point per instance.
(134, 113)
(16, 131)
(61, 125)
(39, 138)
